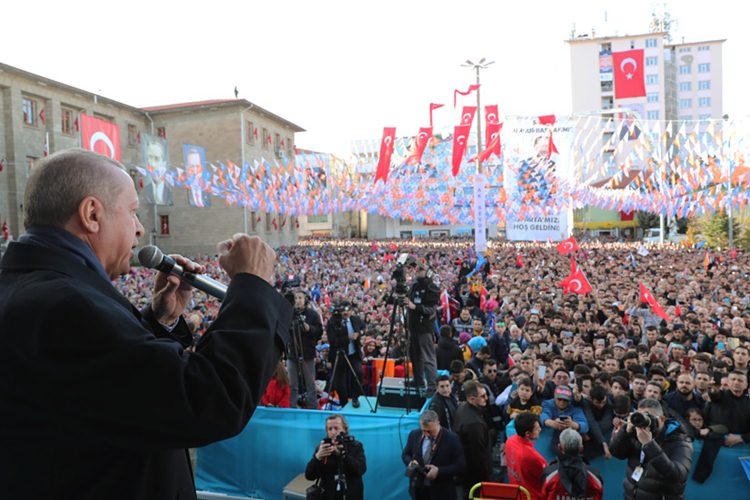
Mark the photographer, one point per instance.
(338, 462)
(658, 451)
(344, 330)
(306, 330)
(421, 304)
(434, 457)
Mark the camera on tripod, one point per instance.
(289, 286)
(399, 274)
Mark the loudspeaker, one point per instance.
(393, 394)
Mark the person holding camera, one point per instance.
(658, 450)
(434, 457)
(306, 331)
(338, 464)
(421, 306)
(344, 330)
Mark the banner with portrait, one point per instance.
(197, 175)
(158, 184)
(538, 173)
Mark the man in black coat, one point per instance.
(338, 462)
(474, 432)
(434, 457)
(421, 307)
(659, 456)
(344, 330)
(444, 403)
(100, 400)
(305, 332)
(447, 349)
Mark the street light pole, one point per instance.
(477, 66)
(242, 161)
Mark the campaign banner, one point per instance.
(100, 136)
(536, 171)
(155, 153)
(480, 214)
(198, 175)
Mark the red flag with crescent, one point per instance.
(433, 107)
(549, 120)
(648, 298)
(491, 115)
(467, 115)
(100, 136)
(628, 69)
(493, 138)
(423, 137)
(460, 138)
(576, 283)
(386, 150)
(567, 246)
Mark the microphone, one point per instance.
(150, 256)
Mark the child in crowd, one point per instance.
(525, 400)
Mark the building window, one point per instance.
(703, 48)
(686, 86)
(652, 61)
(704, 85)
(606, 86)
(250, 132)
(607, 103)
(684, 49)
(132, 135)
(162, 132)
(704, 117)
(606, 47)
(704, 67)
(266, 138)
(66, 125)
(650, 43)
(164, 225)
(29, 111)
(686, 103)
(289, 147)
(277, 144)
(652, 115)
(652, 97)
(686, 118)
(652, 79)
(632, 44)
(684, 69)
(704, 102)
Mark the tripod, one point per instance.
(296, 355)
(400, 313)
(340, 354)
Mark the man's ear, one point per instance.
(90, 211)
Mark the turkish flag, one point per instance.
(433, 107)
(467, 115)
(471, 89)
(100, 136)
(492, 138)
(460, 138)
(576, 283)
(648, 298)
(567, 246)
(629, 79)
(549, 120)
(519, 261)
(6, 233)
(386, 150)
(423, 137)
(491, 115)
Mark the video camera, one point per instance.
(341, 439)
(289, 286)
(399, 274)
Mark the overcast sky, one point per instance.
(343, 69)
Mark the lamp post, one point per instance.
(482, 64)
(242, 161)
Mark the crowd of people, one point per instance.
(507, 342)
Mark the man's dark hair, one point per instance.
(622, 381)
(560, 370)
(657, 370)
(442, 378)
(61, 181)
(471, 387)
(456, 366)
(524, 423)
(621, 373)
(446, 331)
(484, 350)
(490, 362)
(598, 393)
(640, 376)
(621, 404)
(604, 378)
(526, 381)
(738, 373)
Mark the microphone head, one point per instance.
(150, 256)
